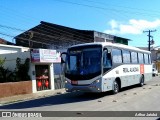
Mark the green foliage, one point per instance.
(22, 69)
(20, 73)
(2, 61)
(5, 74)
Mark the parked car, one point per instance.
(154, 72)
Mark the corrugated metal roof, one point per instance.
(49, 33)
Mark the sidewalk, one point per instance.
(41, 94)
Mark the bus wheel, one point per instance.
(115, 87)
(141, 81)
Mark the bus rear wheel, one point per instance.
(115, 87)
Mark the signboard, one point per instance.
(35, 55)
(45, 55)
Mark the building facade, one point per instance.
(48, 35)
(155, 56)
(41, 67)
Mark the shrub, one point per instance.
(22, 69)
(19, 74)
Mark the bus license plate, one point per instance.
(74, 82)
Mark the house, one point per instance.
(3, 41)
(155, 56)
(4, 49)
(41, 64)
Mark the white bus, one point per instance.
(100, 67)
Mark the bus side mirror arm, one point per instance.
(62, 60)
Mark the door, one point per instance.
(42, 77)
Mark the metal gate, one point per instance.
(42, 77)
(59, 79)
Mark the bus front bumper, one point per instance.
(87, 88)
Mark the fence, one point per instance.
(59, 81)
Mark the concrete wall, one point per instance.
(10, 62)
(11, 65)
(11, 49)
(11, 53)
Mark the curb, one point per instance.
(32, 96)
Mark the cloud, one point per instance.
(132, 26)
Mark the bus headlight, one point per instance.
(96, 81)
(67, 81)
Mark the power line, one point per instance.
(14, 13)
(22, 38)
(21, 15)
(45, 30)
(34, 32)
(131, 8)
(104, 8)
(86, 6)
(13, 28)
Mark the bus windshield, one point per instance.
(83, 62)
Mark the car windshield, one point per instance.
(84, 61)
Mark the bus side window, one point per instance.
(107, 64)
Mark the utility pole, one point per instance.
(149, 38)
(30, 37)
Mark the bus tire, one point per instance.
(141, 81)
(115, 87)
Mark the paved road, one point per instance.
(133, 98)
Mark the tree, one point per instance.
(22, 69)
(5, 74)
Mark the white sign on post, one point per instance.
(45, 55)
